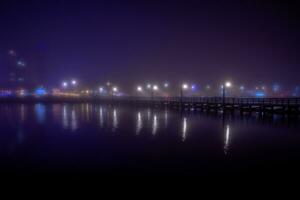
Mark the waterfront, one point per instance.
(95, 139)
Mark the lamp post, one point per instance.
(101, 90)
(74, 84)
(139, 89)
(154, 88)
(64, 85)
(224, 86)
(114, 89)
(182, 88)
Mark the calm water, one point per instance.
(89, 139)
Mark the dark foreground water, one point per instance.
(102, 140)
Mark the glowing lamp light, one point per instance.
(139, 89)
(149, 86)
(101, 89)
(228, 84)
(74, 82)
(185, 86)
(65, 84)
(242, 88)
(166, 85)
(115, 89)
(155, 87)
(193, 87)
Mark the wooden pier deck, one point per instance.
(266, 105)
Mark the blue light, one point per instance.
(260, 94)
(40, 111)
(5, 93)
(40, 91)
(276, 88)
(193, 87)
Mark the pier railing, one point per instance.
(179, 100)
(220, 100)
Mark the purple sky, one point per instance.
(129, 42)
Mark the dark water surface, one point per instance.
(92, 139)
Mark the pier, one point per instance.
(262, 105)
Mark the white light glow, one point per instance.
(74, 82)
(184, 129)
(139, 89)
(65, 84)
(185, 86)
(154, 125)
(155, 87)
(228, 84)
(139, 124)
(227, 138)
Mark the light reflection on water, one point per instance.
(22, 113)
(227, 139)
(101, 117)
(115, 120)
(154, 125)
(65, 120)
(184, 129)
(74, 124)
(138, 121)
(40, 112)
(139, 124)
(138, 137)
(166, 118)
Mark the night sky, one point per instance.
(129, 42)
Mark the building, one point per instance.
(17, 68)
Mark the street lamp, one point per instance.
(64, 84)
(224, 86)
(154, 88)
(139, 88)
(114, 89)
(183, 87)
(74, 82)
(166, 85)
(101, 90)
(228, 84)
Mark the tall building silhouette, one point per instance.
(17, 67)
